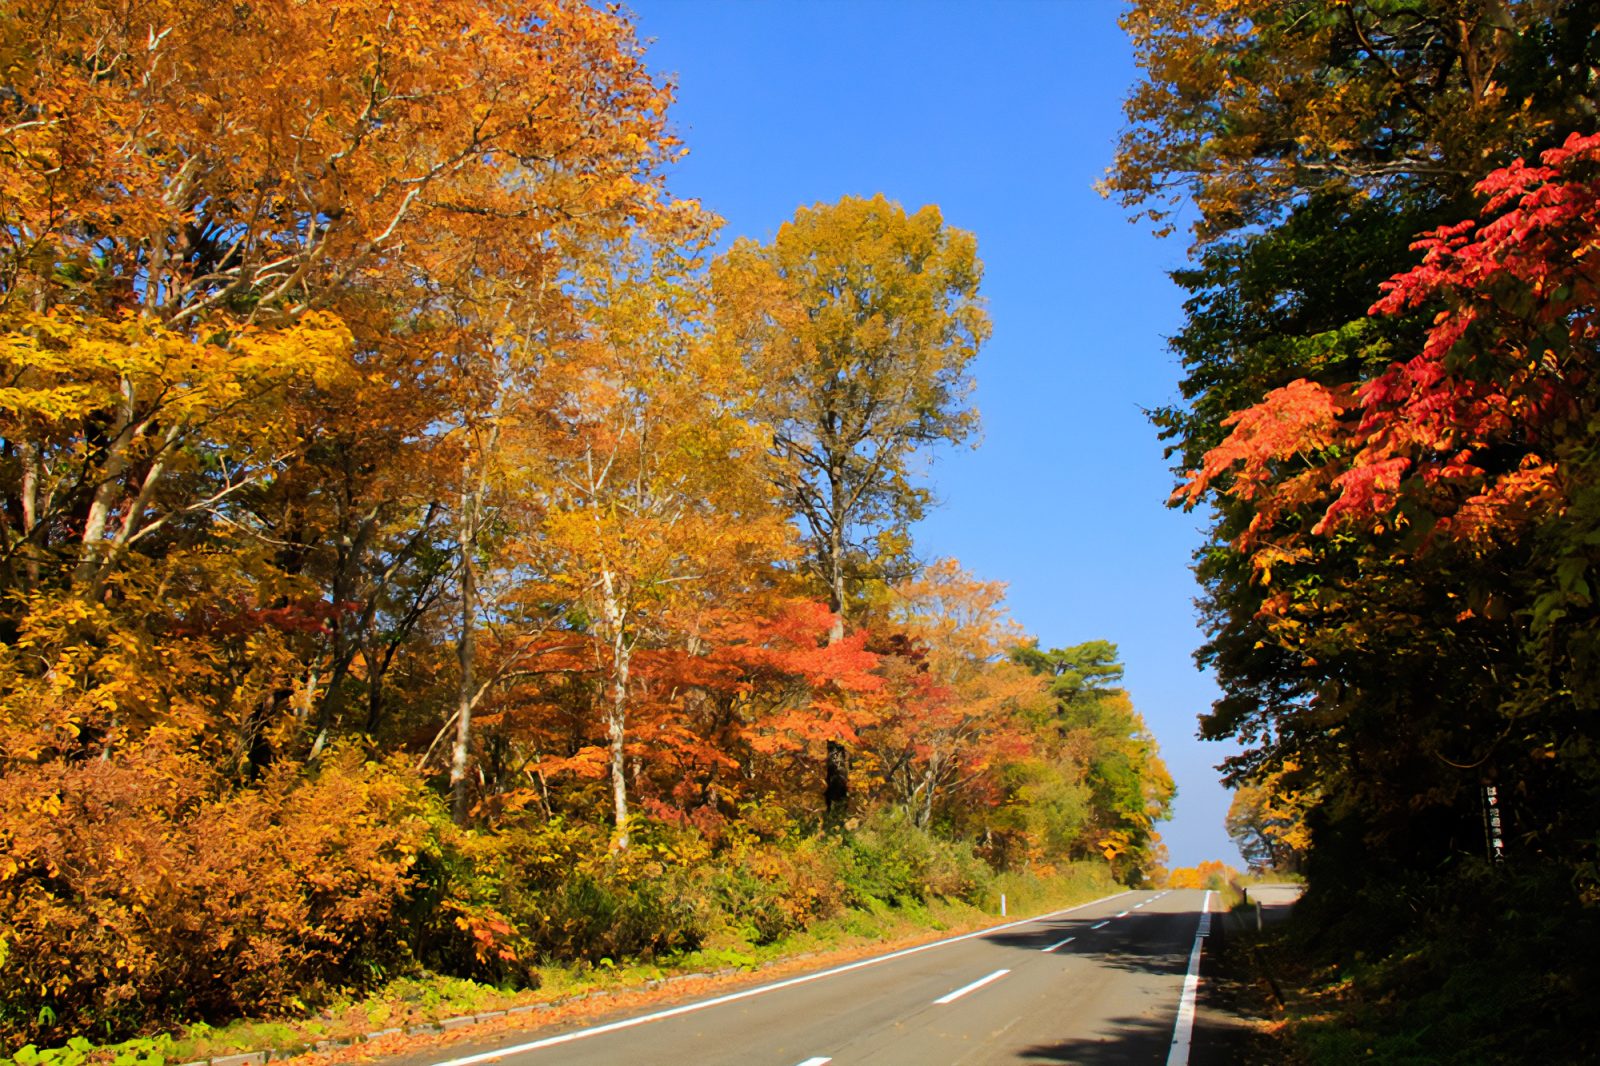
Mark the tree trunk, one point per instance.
(616, 731)
(617, 712)
(836, 786)
(29, 453)
(473, 493)
(836, 764)
(119, 442)
(924, 815)
(461, 751)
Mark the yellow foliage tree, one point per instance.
(1267, 818)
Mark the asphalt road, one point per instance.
(1099, 984)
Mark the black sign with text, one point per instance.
(1492, 824)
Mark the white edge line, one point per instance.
(1183, 1029)
(732, 997)
(1052, 947)
(951, 997)
(816, 1062)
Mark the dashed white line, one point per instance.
(951, 997)
(1059, 944)
(1102, 925)
(1124, 914)
(816, 1062)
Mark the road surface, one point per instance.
(1098, 984)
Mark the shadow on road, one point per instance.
(1124, 1041)
(1171, 963)
(1135, 952)
(1040, 936)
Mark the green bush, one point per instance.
(766, 890)
(889, 861)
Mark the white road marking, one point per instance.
(816, 1062)
(951, 997)
(1124, 914)
(747, 993)
(1183, 1031)
(1102, 925)
(1059, 944)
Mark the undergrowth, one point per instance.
(1475, 968)
(546, 911)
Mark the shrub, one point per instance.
(891, 861)
(767, 890)
(139, 890)
(536, 890)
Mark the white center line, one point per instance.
(1059, 944)
(819, 1061)
(1102, 925)
(964, 989)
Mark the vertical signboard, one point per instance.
(1492, 824)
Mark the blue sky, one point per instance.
(1004, 114)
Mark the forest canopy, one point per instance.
(419, 550)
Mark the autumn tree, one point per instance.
(760, 687)
(1090, 725)
(255, 266)
(1213, 875)
(960, 715)
(1468, 451)
(1267, 820)
(1245, 108)
(189, 276)
(658, 502)
(1316, 141)
(860, 321)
